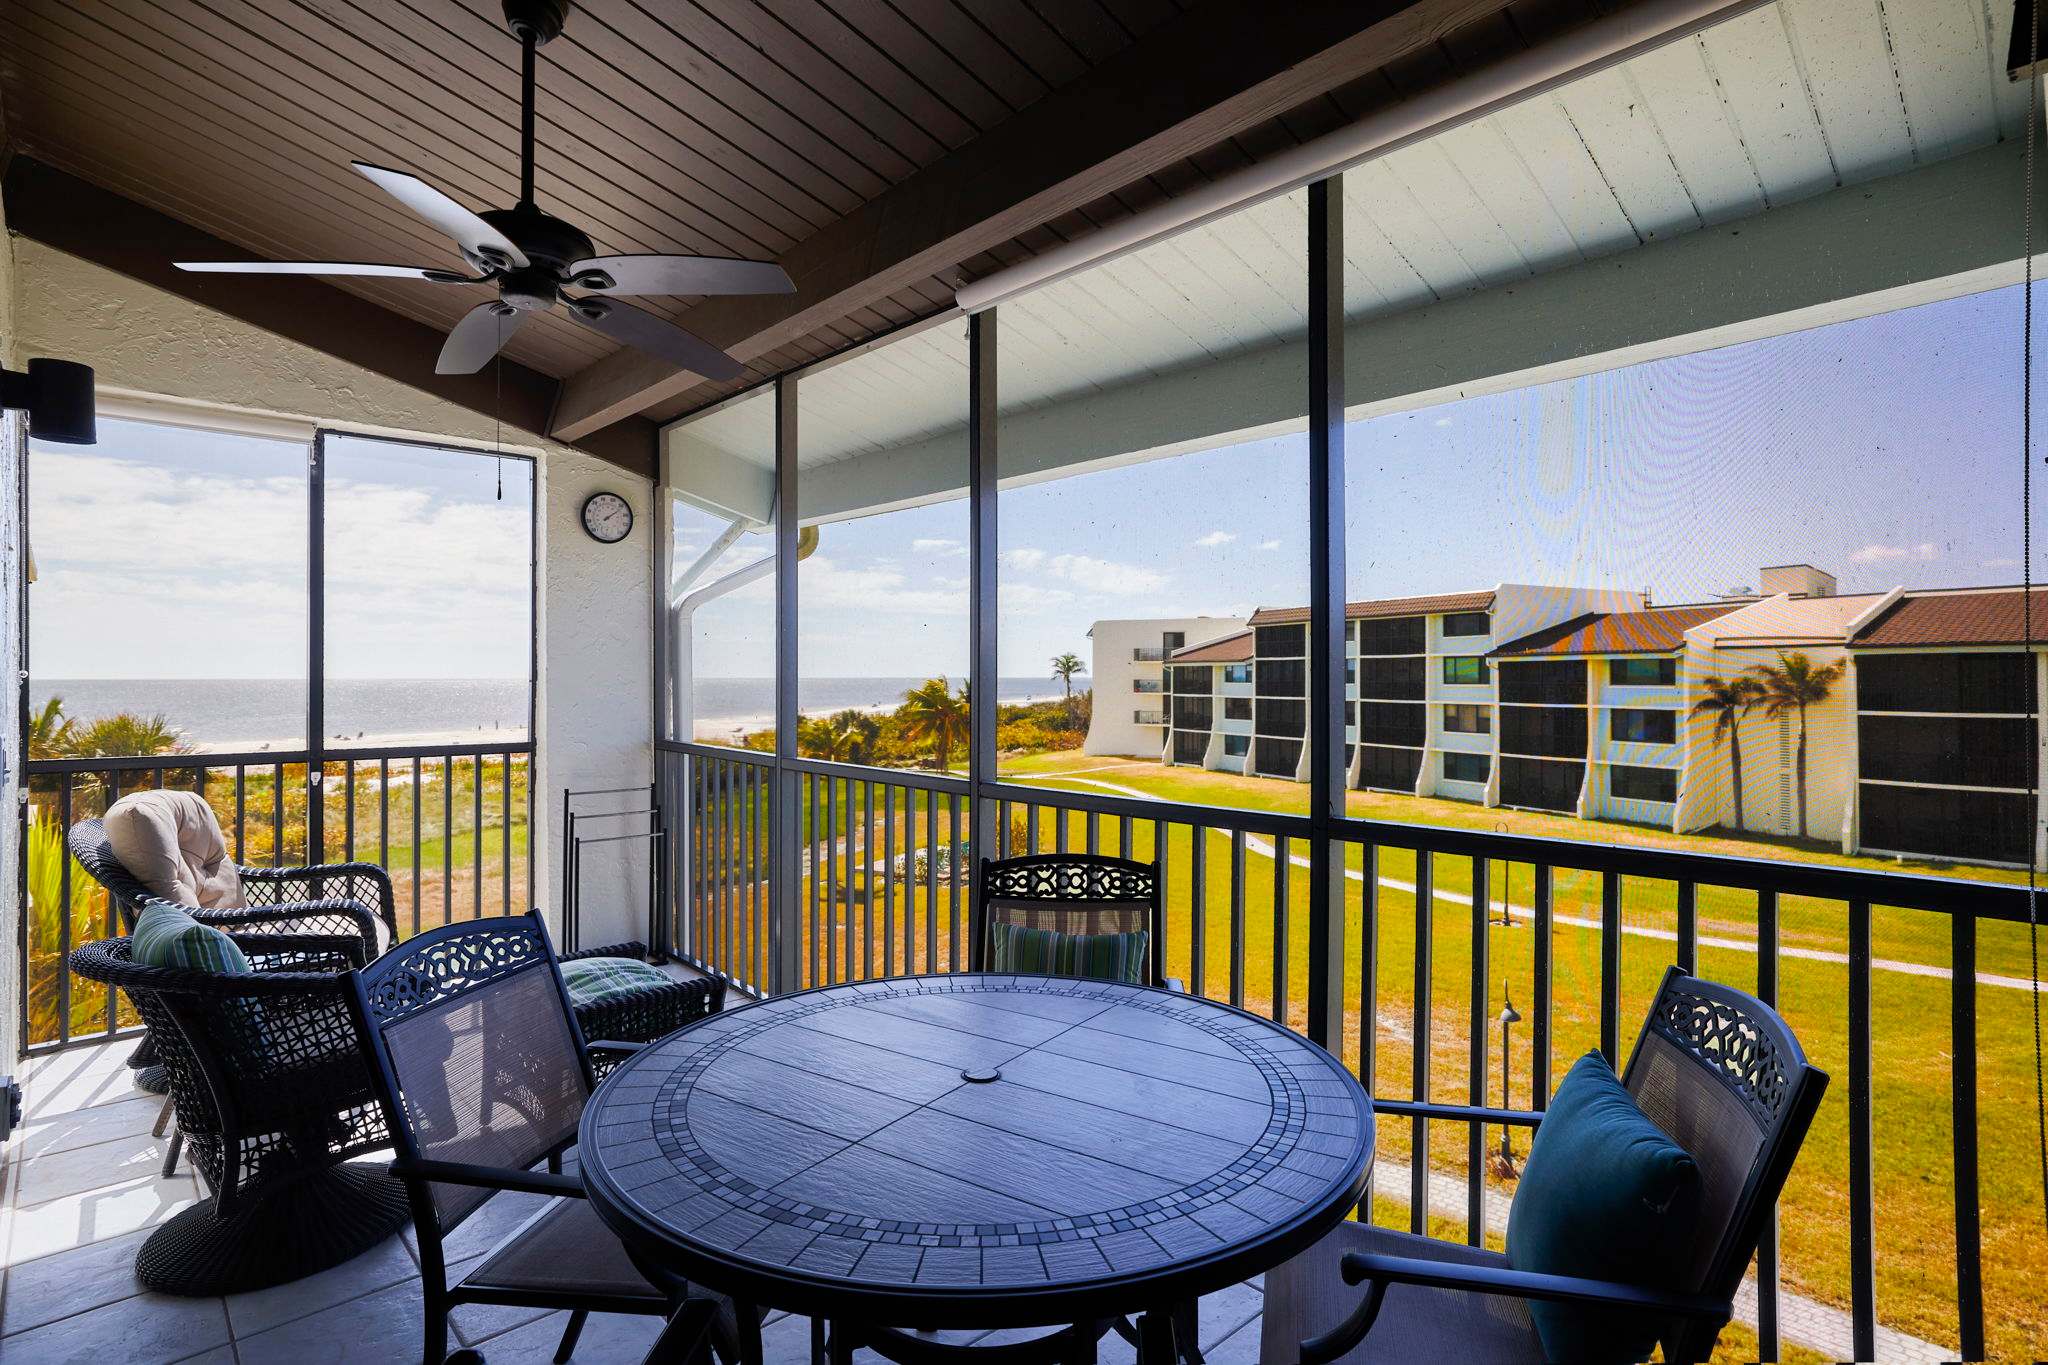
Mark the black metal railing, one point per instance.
(450, 823)
(1576, 931)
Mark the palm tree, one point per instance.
(934, 711)
(127, 735)
(1064, 667)
(857, 731)
(49, 731)
(1794, 683)
(818, 737)
(1728, 701)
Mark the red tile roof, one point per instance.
(1231, 649)
(1386, 606)
(1992, 617)
(1654, 630)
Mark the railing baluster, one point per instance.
(276, 813)
(64, 934)
(1862, 1238)
(953, 870)
(1002, 829)
(1610, 968)
(1031, 827)
(477, 834)
(505, 833)
(1767, 1247)
(1963, 1107)
(867, 881)
(931, 882)
(1198, 909)
(1127, 838)
(241, 813)
(1059, 818)
(1282, 883)
(832, 897)
(1368, 985)
(416, 796)
(1688, 928)
(889, 877)
(1094, 832)
(384, 809)
(1542, 887)
(348, 811)
(764, 786)
(448, 840)
(1482, 974)
(1237, 917)
(1418, 1140)
(1159, 862)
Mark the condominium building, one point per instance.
(1128, 674)
(1917, 738)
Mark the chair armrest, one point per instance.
(635, 950)
(1466, 1113)
(1360, 1266)
(364, 882)
(315, 914)
(1176, 985)
(612, 1045)
(487, 1177)
(301, 952)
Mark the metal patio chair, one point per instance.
(1073, 893)
(483, 1075)
(273, 1099)
(1716, 1069)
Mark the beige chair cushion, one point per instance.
(170, 842)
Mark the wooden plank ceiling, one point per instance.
(722, 127)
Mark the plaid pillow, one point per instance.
(166, 936)
(1098, 957)
(595, 980)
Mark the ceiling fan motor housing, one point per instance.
(539, 20)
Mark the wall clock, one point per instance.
(607, 517)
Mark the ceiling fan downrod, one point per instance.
(534, 23)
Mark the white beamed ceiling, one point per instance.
(1784, 103)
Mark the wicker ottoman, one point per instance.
(641, 1016)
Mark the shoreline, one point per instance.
(735, 728)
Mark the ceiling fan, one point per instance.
(534, 257)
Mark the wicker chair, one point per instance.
(1075, 893)
(272, 1098)
(483, 1074)
(333, 898)
(1716, 1069)
(643, 1015)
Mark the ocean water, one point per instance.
(254, 713)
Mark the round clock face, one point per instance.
(607, 517)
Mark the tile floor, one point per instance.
(81, 1187)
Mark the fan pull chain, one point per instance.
(498, 403)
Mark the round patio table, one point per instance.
(976, 1150)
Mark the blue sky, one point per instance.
(164, 552)
(1883, 450)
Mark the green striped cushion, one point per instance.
(166, 936)
(1099, 957)
(594, 980)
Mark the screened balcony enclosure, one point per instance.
(1481, 505)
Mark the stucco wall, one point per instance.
(593, 615)
(10, 666)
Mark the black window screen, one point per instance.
(1281, 678)
(1467, 623)
(1544, 731)
(1540, 784)
(1397, 678)
(1642, 672)
(1954, 751)
(1280, 641)
(1562, 681)
(1644, 727)
(1192, 713)
(1643, 784)
(1189, 746)
(1383, 722)
(1392, 635)
(1466, 767)
(1288, 718)
(1389, 769)
(1988, 826)
(1276, 757)
(1237, 708)
(1995, 683)
(1191, 678)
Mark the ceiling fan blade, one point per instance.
(407, 272)
(646, 332)
(482, 331)
(476, 237)
(680, 275)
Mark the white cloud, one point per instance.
(1105, 575)
(1269, 545)
(1883, 554)
(1215, 538)
(939, 545)
(1026, 558)
(2001, 562)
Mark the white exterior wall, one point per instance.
(12, 439)
(593, 613)
(1113, 671)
